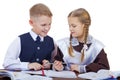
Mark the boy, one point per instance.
(34, 49)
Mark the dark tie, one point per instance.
(37, 39)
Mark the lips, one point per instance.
(45, 32)
(72, 32)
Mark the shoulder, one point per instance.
(97, 43)
(48, 38)
(24, 34)
(63, 41)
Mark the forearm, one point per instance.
(17, 66)
(95, 67)
(101, 62)
(59, 55)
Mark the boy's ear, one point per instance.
(30, 22)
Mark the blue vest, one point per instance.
(34, 52)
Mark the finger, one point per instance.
(58, 62)
(45, 61)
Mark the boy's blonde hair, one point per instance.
(40, 9)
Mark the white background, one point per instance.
(105, 15)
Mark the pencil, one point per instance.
(53, 63)
(43, 74)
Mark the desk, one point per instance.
(54, 78)
(6, 78)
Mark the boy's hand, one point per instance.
(35, 66)
(46, 64)
(58, 65)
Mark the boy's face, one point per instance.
(41, 24)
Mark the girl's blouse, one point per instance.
(95, 57)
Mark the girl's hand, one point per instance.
(58, 65)
(74, 67)
(46, 64)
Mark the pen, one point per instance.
(53, 63)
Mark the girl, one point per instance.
(81, 52)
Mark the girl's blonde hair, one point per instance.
(84, 17)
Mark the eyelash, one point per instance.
(72, 26)
(45, 24)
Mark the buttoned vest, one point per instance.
(34, 52)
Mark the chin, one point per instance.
(44, 35)
(74, 36)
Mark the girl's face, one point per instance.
(76, 28)
(41, 25)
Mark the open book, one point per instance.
(52, 73)
(100, 75)
(12, 75)
(5, 73)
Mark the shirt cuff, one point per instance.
(24, 66)
(82, 68)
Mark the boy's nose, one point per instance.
(47, 27)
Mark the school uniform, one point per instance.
(26, 49)
(94, 57)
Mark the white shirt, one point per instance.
(12, 60)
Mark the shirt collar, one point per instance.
(34, 36)
(75, 41)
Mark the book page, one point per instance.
(34, 72)
(14, 75)
(52, 73)
(101, 74)
(115, 74)
(61, 74)
(6, 73)
(25, 76)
